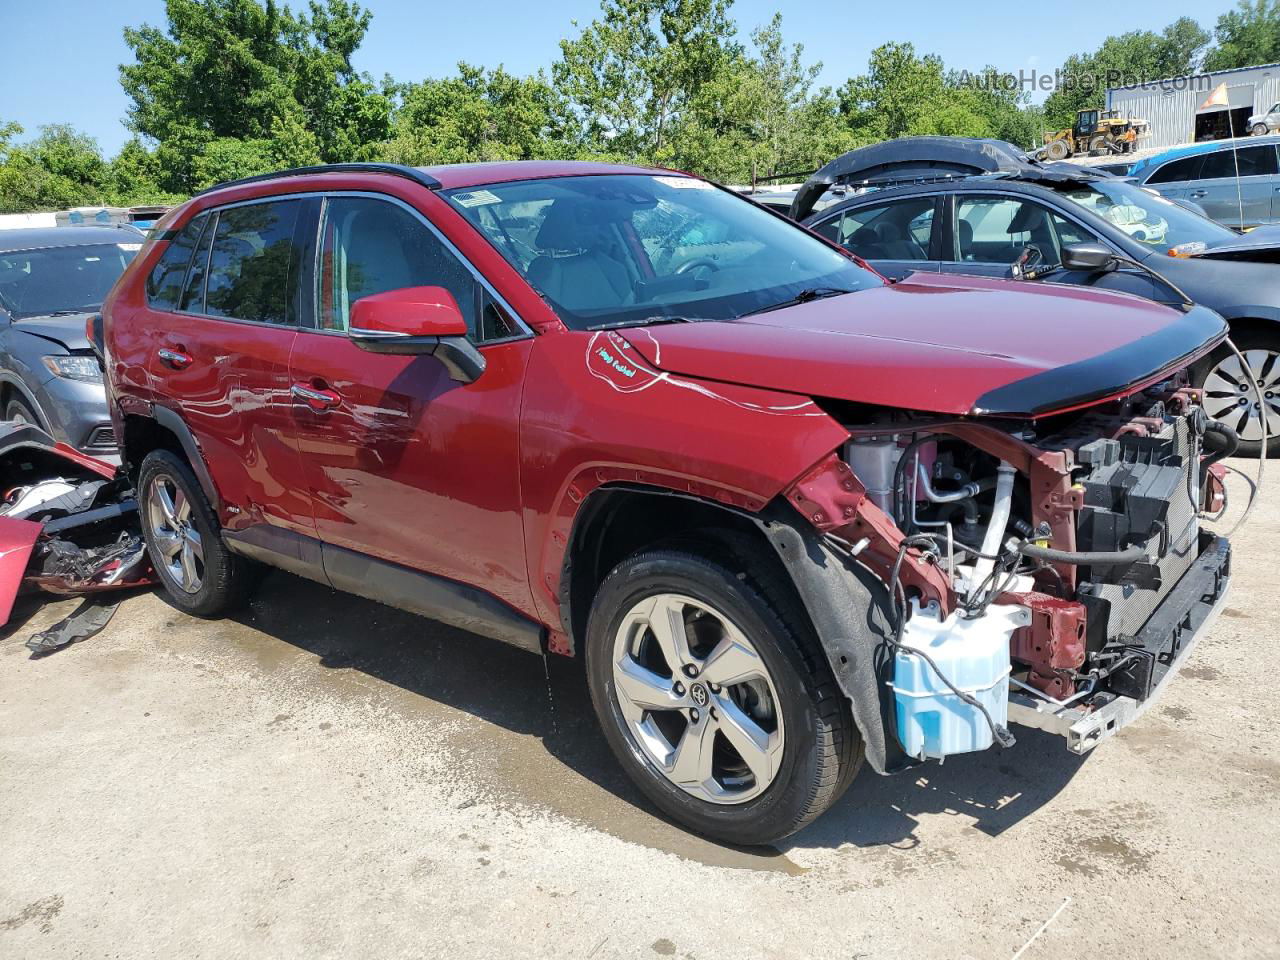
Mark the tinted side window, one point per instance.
(1188, 168)
(193, 292)
(890, 231)
(998, 229)
(164, 283)
(1254, 162)
(370, 246)
(252, 262)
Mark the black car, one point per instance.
(951, 205)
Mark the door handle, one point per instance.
(173, 358)
(315, 399)
(1197, 194)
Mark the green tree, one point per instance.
(904, 94)
(60, 168)
(1134, 57)
(1246, 36)
(478, 115)
(230, 85)
(758, 115)
(629, 74)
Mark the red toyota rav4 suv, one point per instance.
(791, 515)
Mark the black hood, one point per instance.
(66, 329)
(1258, 246)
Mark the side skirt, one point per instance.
(425, 594)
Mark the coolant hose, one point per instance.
(996, 526)
(1227, 442)
(1094, 558)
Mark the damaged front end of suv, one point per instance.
(1052, 571)
(1001, 539)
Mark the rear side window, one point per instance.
(165, 282)
(1188, 168)
(1254, 162)
(891, 231)
(253, 263)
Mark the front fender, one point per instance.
(596, 412)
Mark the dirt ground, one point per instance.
(325, 777)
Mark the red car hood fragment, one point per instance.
(948, 345)
(17, 538)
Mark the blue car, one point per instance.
(1206, 173)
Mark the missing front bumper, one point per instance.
(1174, 628)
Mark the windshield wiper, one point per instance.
(644, 322)
(806, 295)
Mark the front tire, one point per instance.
(716, 698)
(19, 411)
(184, 539)
(1229, 394)
(1259, 130)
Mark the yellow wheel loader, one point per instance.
(1096, 133)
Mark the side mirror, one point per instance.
(416, 320)
(1089, 257)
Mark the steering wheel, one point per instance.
(697, 263)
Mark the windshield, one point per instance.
(623, 248)
(1153, 221)
(50, 280)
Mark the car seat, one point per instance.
(896, 244)
(964, 231)
(573, 268)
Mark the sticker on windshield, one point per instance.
(684, 183)
(476, 198)
(130, 246)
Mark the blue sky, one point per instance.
(60, 56)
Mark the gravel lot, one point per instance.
(324, 777)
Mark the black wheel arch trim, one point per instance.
(8, 379)
(172, 421)
(838, 597)
(848, 605)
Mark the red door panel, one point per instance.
(234, 396)
(413, 467)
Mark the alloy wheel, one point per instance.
(1229, 394)
(174, 535)
(697, 699)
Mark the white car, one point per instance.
(1264, 123)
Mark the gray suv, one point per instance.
(1206, 174)
(51, 282)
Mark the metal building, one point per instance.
(1172, 106)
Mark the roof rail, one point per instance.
(420, 177)
(882, 182)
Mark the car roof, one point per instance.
(30, 238)
(444, 176)
(1208, 146)
(477, 174)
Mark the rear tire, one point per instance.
(1225, 387)
(803, 748)
(184, 539)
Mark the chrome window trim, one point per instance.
(215, 215)
(525, 330)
